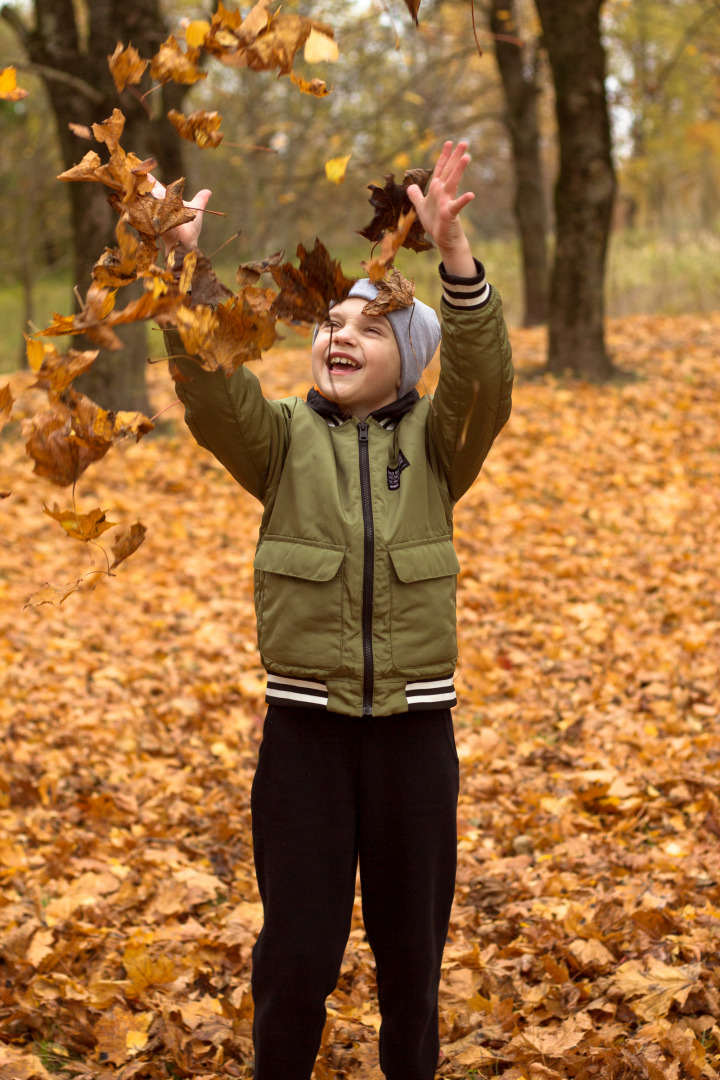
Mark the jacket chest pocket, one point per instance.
(298, 600)
(422, 604)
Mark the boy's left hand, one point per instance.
(439, 210)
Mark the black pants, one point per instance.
(331, 790)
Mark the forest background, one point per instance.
(585, 934)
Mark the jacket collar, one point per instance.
(335, 415)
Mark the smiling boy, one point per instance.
(355, 580)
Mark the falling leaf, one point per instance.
(196, 32)
(131, 259)
(391, 203)
(413, 7)
(320, 46)
(393, 293)
(81, 526)
(307, 292)
(335, 168)
(199, 127)
(196, 327)
(6, 403)
(81, 130)
(58, 370)
(155, 216)
(9, 89)
(391, 243)
(316, 87)
(126, 541)
(126, 66)
(50, 594)
(171, 63)
(249, 273)
(86, 170)
(110, 130)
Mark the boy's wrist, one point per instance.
(458, 259)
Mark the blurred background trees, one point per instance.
(397, 92)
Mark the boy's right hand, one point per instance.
(189, 233)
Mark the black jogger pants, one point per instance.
(330, 791)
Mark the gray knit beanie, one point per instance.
(417, 332)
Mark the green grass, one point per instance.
(647, 274)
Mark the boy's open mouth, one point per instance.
(339, 363)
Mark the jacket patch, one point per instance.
(394, 474)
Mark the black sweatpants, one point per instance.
(331, 790)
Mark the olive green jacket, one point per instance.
(355, 569)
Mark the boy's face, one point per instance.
(358, 365)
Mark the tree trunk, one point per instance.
(83, 92)
(517, 71)
(585, 188)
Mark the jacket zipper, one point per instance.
(368, 568)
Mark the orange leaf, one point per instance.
(126, 66)
(83, 527)
(9, 89)
(126, 540)
(199, 127)
(171, 63)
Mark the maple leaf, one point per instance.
(199, 127)
(170, 62)
(58, 370)
(85, 170)
(391, 243)
(249, 273)
(126, 540)
(205, 287)
(155, 216)
(83, 527)
(393, 293)
(9, 89)
(110, 130)
(307, 292)
(50, 594)
(278, 44)
(6, 402)
(126, 66)
(57, 455)
(391, 203)
(132, 258)
(196, 326)
(196, 32)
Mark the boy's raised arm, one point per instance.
(472, 401)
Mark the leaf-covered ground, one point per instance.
(585, 937)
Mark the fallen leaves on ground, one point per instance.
(586, 925)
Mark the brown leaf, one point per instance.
(126, 66)
(125, 541)
(81, 130)
(413, 7)
(199, 127)
(155, 216)
(49, 594)
(81, 526)
(171, 63)
(205, 286)
(58, 370)
(86, 170)
(50, 443)
(249, 273)
(307, 291)
(6, 401)
(393, 293)
(123, 264)
(391, 243)
(110, 130)
(391, 203)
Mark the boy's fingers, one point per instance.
(200, 201)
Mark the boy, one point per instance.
(355, 600)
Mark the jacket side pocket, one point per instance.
(422, 603)
(298, 599)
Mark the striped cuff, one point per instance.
(283, 691)
(431, 694)
(465, 293)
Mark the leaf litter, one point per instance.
(586, 925)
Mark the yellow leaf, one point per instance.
(196, 32)
(35, 352)
(9, 89)
(320, 47)
(335, 168)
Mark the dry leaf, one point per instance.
(199, 127)
(335, 168)
(9, 89)
(126, 66)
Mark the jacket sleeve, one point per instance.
(230, 417)
(473, 397)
